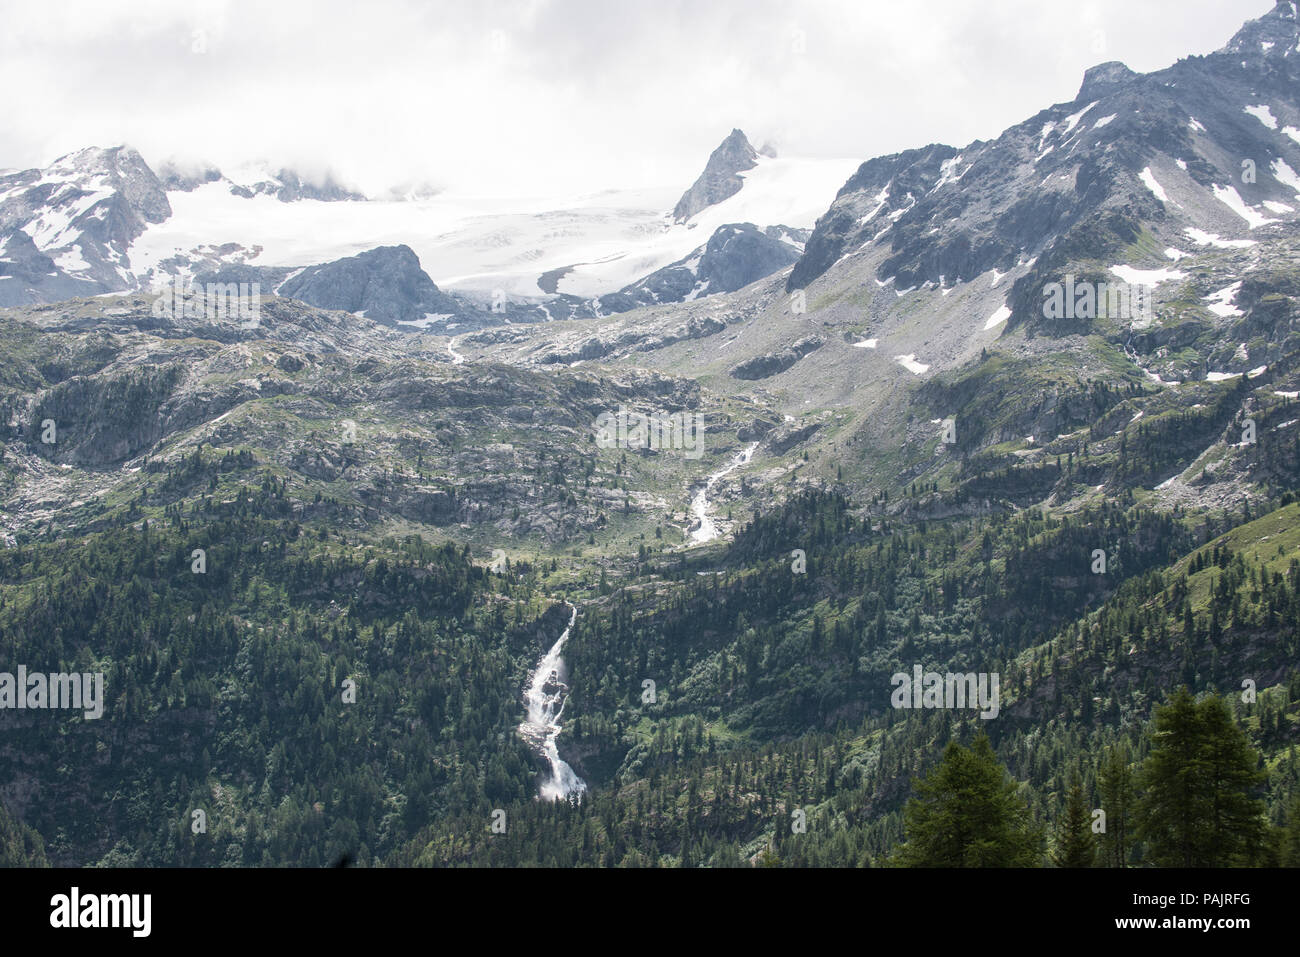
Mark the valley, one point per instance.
(1024, 409)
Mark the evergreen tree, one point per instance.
(968, 813)
(1075, 846)
(1115, 782)
(1197, 810)
(20, 845)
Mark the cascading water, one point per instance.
(544, 699)
(706, 531)
(456, 357)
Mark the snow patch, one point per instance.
(1285, 175)
(881, 198)
(999, 317)
(1202, 238)
(1150, 181)
(946, 174)
(1264, 115)
(1072, 120)
(430, 318)
(1232, 199)
(909, 363)
(71, 260)
(1221, 302)
(1147, 277)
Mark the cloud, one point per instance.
(537, 95)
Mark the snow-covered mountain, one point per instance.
(524, 248)
(66, 230)
(101, 221)
(256, 179)
(1198, 156)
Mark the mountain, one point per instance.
(736, 255)
(1165, 151)
(928, 280)
(27, 274)
(256, 180)
(83, 213)
(508, 261)
(695, 542)
(385, 284)
(721, 177)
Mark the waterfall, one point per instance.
(544, 699)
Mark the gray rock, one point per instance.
(770, 364)
(386, 284)
(721, 176)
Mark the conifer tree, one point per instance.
(1197, 809)
(1115, 782)
(1075, 846)
(968, 813)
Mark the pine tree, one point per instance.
(1231, 773)
(1197, 810)
(968, 813)
(1075, 846)
(20, 845)
(1115, 782)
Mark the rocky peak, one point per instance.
(721, 176)
(385, 284)
(1104, 78)
(119, 169)
(1275, 34)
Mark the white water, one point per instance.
(545, 701)
(456, 357)
(706, 531)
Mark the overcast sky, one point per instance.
(522, 95)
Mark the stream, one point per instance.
(706, 531)
(456, 357)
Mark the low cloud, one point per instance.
(541, 95)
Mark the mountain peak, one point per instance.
(721, 176)
(1104, 78)
(1275, 33)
